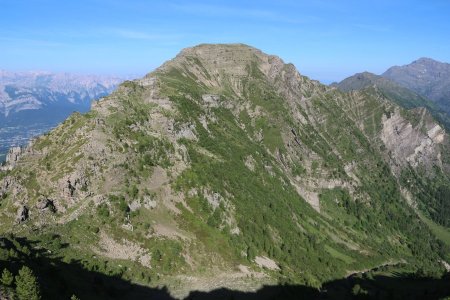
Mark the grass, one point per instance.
(339, 255)
(439, 231)
(271, 134)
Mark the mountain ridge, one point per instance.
(394, 91)
(225, 166)
(31, 103)
(69, 87)
(426, 77)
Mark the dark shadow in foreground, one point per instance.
(380, 287)
(60, 280)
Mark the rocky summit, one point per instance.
(223, 170)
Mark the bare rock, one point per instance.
(149, 203)
(46, 204)
(187, 131)
(135, 205)
(409, 145)
(213, 199)
(22, 214)
(211, 100)
(71, 188)
(10, 186)
(13, 155)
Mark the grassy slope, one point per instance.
(358, 229)
(443, 233)
(228, 142)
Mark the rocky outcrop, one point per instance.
(211, 100)
(4, 185)
(13, 155)
(9, 185)
(71, 188)
(75, 185)
(45, 204)
(22, 214)
(412, 145)
(187, 131)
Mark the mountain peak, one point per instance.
(428, 63)
(205, 49)
(219, 47)
(225, 65)
(426, 77)
(425, 60)
(227, 58)
(357, 81)
(365, 74)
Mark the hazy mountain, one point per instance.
(31, 103)
(21, 91)
(427, 77)
(226, 168)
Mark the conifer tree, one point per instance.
(27, 287)
(7, 277)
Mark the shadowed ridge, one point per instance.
(285, 292)
(61, 280)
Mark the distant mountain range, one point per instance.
(423, 83)
(22, 91)
(33, 102)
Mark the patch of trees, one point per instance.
(23, 286)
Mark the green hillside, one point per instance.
(224, 168)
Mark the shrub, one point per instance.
(103, 210)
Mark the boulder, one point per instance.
(22, 214)
(46, 204)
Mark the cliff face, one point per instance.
(411, 135)
(228, 158)
(417, 145)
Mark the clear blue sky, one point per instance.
(326, 40)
